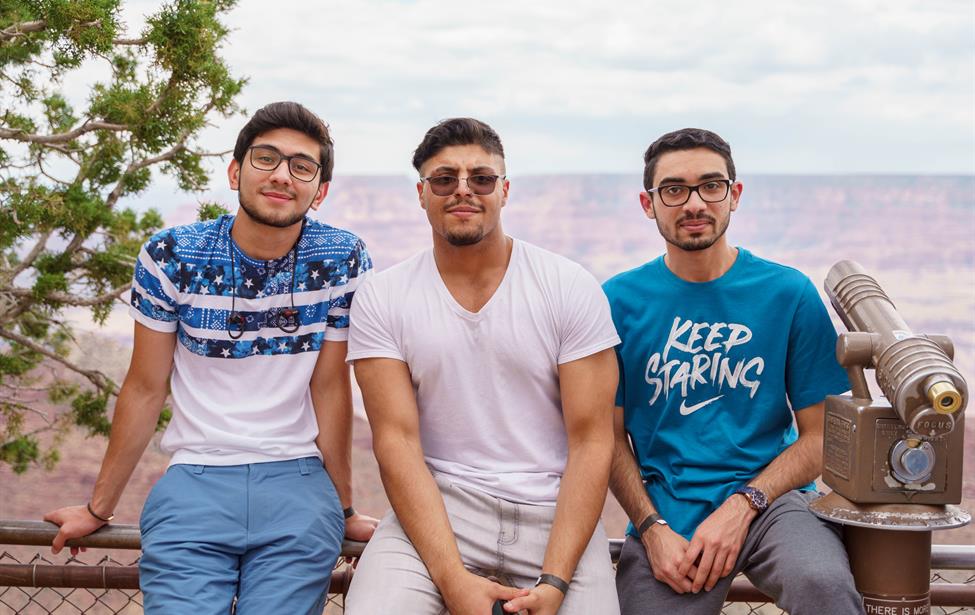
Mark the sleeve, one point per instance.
(154, 298)
(587, 326)
(812, 371)
(370, 335)
(347, 278)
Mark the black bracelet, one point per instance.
(99, 517)
(554, 581)
(349, 512)
(648, 523)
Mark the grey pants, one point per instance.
(789, 554)
(496, 538)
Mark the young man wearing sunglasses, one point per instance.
(244, 319)
(722, 352)
(487, 371)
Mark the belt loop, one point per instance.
(198, 469)
(303, 466)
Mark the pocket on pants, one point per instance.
(149, 516)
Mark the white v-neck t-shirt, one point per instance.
(487, 383)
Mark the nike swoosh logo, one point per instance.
(685, 410)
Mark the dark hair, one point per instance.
(685, 138)
(288, 115)
(457, 131)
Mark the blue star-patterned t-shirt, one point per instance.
(240, 383)
(710, 373)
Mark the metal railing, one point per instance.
(34, 582)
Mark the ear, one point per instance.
(419, 194)
(505, 185)
(233, 174)
(320, 195)
(646, 202)
(736, 189)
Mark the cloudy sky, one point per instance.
(834, 86)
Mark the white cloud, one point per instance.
(896, 74)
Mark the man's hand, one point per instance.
(360, 527)
(467, 593)
(540, 600)
(666, 549)
(75, 522)
(718, 541)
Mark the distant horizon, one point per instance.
(638, 173)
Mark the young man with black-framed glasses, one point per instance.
(722, 353)
(245, 320)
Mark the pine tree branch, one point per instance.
(74, 300)
(17, 30)
(97, 378)
(64, 137)
(116, 192)
(31, 256)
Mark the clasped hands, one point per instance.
(689, 566)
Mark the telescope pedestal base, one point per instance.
(891, 569)
(889, 546)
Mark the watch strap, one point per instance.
(554, 581)
(349, 512)
(648, 522)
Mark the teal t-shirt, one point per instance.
(710, 373)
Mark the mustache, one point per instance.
(701, 216)
(462, 201)
(290, 193)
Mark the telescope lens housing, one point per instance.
(945, 398)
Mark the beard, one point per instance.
(284, 220)
(466, 235)
(694, 244)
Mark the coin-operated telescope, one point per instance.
(894, 464)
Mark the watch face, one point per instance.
(756, 498)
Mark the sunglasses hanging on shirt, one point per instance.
(286, 319)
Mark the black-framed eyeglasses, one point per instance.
(267, 158)
(711, 191)
(445, 185)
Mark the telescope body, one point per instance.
(908, 447)
(895, 463)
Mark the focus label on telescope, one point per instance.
(908, 605)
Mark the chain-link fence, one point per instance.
(24, 572)
(93, 600)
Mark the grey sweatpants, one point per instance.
(496, 538)
(789, 554)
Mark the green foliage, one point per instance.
(210, 211)
(65, 163)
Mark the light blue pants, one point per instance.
(267, 533)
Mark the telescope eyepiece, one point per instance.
(945, 398)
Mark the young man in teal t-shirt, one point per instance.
(725, 361)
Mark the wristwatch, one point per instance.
(755, 496)
(651, 520)
(554, 581)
